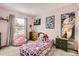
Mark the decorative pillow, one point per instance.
(45, 37)
(41, 36)
(19, 41)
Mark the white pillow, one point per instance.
(41, 36)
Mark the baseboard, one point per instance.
(73, 49)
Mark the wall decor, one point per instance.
(37, 21)
(68, 26)
(50, 22)
(1, 18)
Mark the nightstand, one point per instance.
(61, 43)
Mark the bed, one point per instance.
(38, 48)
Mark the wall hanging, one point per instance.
(37, 21)
(68, 26)
(1, 18)
(50, 22)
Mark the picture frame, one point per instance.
(50, 22)
(68, 25)
(37, 21)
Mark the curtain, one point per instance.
(10, 29)
(26, 28)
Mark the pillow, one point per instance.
(45, 37)
(40, 36)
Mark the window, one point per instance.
(19, 27)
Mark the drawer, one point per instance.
(61, 44)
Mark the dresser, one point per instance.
(62, 43)
(33, 36)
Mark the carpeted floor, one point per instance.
(14, 51)
(59, 52)
(9, 51)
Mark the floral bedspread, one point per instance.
(36, 48)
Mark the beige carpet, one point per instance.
(59, 52)
(14, 51)
(10, 51)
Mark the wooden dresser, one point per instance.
(33, 36)
(62, 43)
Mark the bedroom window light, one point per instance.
(19, 25)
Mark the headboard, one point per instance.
(0, 40)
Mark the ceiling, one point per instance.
(32, 8)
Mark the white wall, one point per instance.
(53, 33)
(78, 30)
(29, 22)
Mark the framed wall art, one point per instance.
(68, 25)
(50, 22)
(37, 21)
